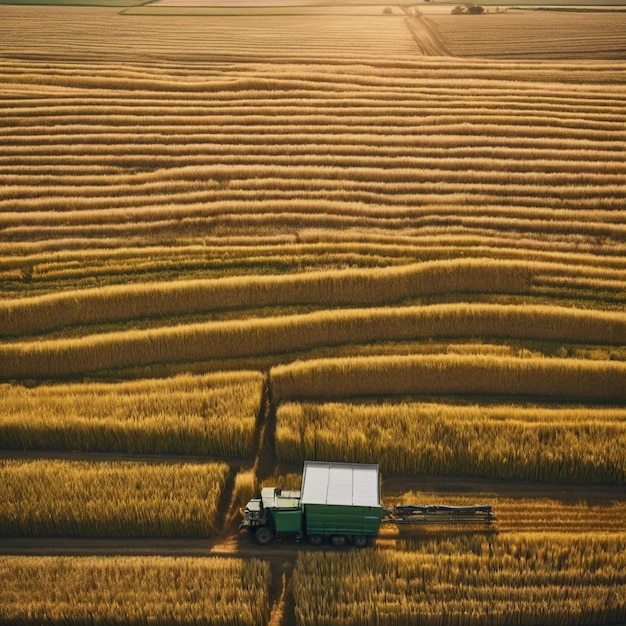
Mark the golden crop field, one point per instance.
(578, 445)
(155, 590)
(212, 415)
(522, 579)
(121, 499)
(238, 236)
(538, 34)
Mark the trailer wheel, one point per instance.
(315, 540)
(263, 536)
(359, 541)
(338, 540)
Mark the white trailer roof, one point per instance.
(349, 484)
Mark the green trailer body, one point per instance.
(334, 519)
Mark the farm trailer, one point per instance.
(340, 502)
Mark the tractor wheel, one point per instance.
(315, 540)
(263, 536)
(359, 541)
(338, 540)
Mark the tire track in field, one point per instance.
(426, 36)
(265, 461)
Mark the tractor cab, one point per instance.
(277, 512)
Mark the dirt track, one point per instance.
(426, 36)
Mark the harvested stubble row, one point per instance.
(538, 578)
(538, 34)
(122, 499)
(576, 445)
(204, 415)
(137, 590)
(289, 334)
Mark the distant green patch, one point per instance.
(74, 3)
(154, 8)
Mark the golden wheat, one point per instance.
(288, 334)
(536, 34)
(123, 499)
(447, 374)
(116, 590)
(208, 415)
(545, 578)
(551, 445)
(347, 287)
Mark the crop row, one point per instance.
(456, 158)
(333, 378)
(122, 590)
(212, 415)
(296, 333)
(353, 288)
(117, 499)
(542, 578)
(508, 443)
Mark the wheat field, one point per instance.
(254, 235)
(156, 590)
(213, 415)
(110, 499)
(502, 442)
(523, 579)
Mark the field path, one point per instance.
(426, 36)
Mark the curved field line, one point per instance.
(286, 335)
